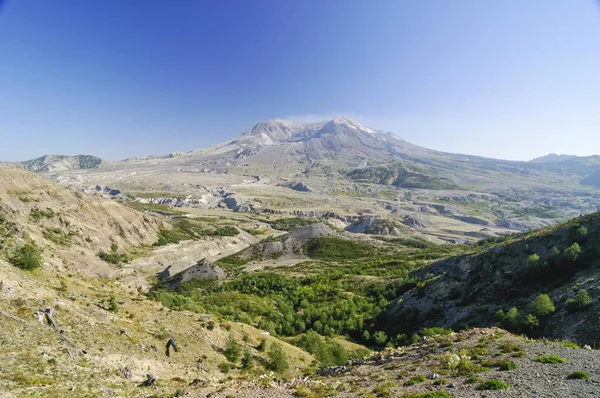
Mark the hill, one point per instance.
(70, 261)
(57, 163)
(502, 281)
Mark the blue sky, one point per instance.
(509, 79)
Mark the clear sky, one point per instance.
(511, 79)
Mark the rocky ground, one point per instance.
(396, 372)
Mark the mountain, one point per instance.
(348, 170)
(57, 163)
(552, 158)
(283, 142)
(592, 179)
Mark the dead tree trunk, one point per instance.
(49, 312)
(171, 343)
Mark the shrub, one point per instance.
(224, 367)
(113, 257)
(112, 304)
(277, 360)
(554, 359)
(511, 320)
(415, 380)
(511, 347)
(542, 306)
(531, 321)
(533, 259)
(507, 365)
(232, 350)
(579, 374)
(493, 384)
(382, 390)
(436, 331)
(326, 350)
(380, 338)
(262, 346)
(579, 301)
(27, 257)
(247, 360)
(573, 252)
(569, 344)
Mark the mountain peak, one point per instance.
(552, 158)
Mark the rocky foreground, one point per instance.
(475, 363)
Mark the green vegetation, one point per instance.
(415, 380)
(493, 384)
(579, 375)
(27, 257)
(537, 211)
(542, 306)
(287, 224)
(114, 257)
(112, 303)
(579, 302)
(276, 359)
(36, 214)
(57, 236)
(189, 229)
(247, 360)
(338, 249)
(506, 365)
(327, 351)
(232, 350)
(552, 359)
(383, 390)
(401, 175)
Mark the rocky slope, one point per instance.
(509, 273)
(58, 163)
(108, 336)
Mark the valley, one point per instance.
(322, 259)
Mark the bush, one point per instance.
(511, 320)
(579, 374)
(247, 360)
(277, 360)
(383, 391)
(506, 365)
(511, 348)
(380, 338)
(579, 301)
(112, 304)
(542, 306)
(573, 252)
(553, 359)
(415, 380)
(113, 257)
(224, 367)
(262, 346)
(531, 321)
(435, 331)
(493, 384)
(27, 257)
(232, 350)
(327, 351)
